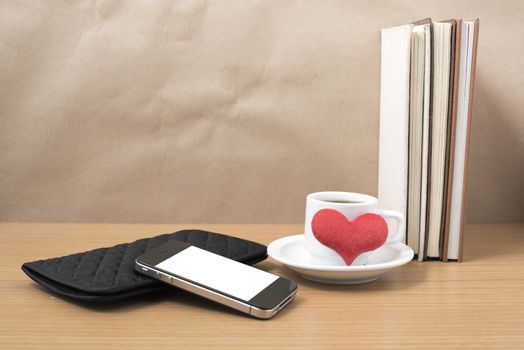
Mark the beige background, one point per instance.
(226, 111)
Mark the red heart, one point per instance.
(349, 238)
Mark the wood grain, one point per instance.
(475, 304)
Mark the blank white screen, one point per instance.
(223, 274)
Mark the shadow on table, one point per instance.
(403, 278)
(384, 284)
(172, 296)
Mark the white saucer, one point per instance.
(291, 252)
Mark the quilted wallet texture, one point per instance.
(109, 273)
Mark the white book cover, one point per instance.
(394, 118)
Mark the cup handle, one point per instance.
(401, 225)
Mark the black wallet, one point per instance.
(109, 273)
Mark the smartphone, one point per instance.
(212, 276)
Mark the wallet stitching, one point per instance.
(76, 267)
(119, 269)
(99, 264)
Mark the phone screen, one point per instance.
(211, 270)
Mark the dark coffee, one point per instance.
(341, 201)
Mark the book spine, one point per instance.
(451, 141)
(468, 137)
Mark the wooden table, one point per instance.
(475, 304)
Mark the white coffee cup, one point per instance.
(351, 205)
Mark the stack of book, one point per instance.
(427, 79)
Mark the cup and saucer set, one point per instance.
(346, 240)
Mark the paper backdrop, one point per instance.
(225, 111)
